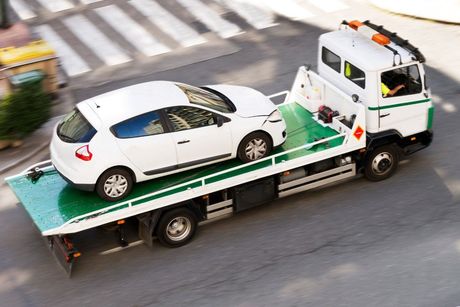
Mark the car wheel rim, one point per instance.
(178, 228)
(115, 186)
(256, 149)
(382, 163)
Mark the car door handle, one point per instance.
(384, 115)
(183, 142)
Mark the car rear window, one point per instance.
(75, 128)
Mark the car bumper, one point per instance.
(79, 186)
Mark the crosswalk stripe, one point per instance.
(22, 10)
(131, 30)
(56, 5)
(255, 14)
(329, 6)
(210, 18)
(72, 63)
(94, 39)
(288, 8)
(168, 23)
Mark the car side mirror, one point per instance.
(220, 121)
(355, 98)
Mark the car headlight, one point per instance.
(275, 117)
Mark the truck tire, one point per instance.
(176, 227)
(114, 184)
(382, 163)
(254, 146)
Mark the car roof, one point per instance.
(124, 103)
(361, 51)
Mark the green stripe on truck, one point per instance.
(399, 105)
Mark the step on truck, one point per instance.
(368, 107)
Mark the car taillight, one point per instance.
(83, 153)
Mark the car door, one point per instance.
(405, 111)
(144, 142)
(197, 137)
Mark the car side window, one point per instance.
(355, 74)
(330, 59)
(142, 125)
(183, 118)
(406, 80)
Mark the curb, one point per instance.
(428, 10)
(23, 159)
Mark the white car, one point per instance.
(158, 128)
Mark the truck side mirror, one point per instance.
(355, 98)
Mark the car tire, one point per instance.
(381, 163)
(254, 146)
(114, 184)
(176, 227)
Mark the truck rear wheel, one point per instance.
(382, 163)
(176, 227)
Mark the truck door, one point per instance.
(403, 102)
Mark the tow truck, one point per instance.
(339, 124)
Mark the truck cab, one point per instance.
(386, 73)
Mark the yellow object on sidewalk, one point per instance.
(33, 50)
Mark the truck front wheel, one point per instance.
(176, 227)
(382, 163)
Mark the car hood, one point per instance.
(248, 102)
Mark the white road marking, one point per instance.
(288, 8)
(94, 39)
(168, 23)
(72, 63)
(210, 18)
(255, 14)
(329, 6)
(56, 5)
(131, 30)
(117, 249)
(23, 11)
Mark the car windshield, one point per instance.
(207, 98)
(75, 128)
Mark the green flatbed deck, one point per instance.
(51, 202)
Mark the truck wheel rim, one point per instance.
(382, 163)
(256, 149)
(115, 186)
(178, 228)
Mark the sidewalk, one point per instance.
(442, 10)
(39, 140)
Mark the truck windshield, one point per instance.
(75, 128)
(207, 97)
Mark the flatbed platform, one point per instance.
(54, 206)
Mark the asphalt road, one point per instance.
(392, 243)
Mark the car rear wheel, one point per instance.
(114, 184)
(254, 146)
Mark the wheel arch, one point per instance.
(131, 172)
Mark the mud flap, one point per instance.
(63, 251)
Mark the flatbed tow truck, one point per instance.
(336, 127)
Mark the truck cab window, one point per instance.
(355, 74)
(330, 59)
(401, 81)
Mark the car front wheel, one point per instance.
(254, 146)
(114, 184)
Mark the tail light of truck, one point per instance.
(83, 153)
